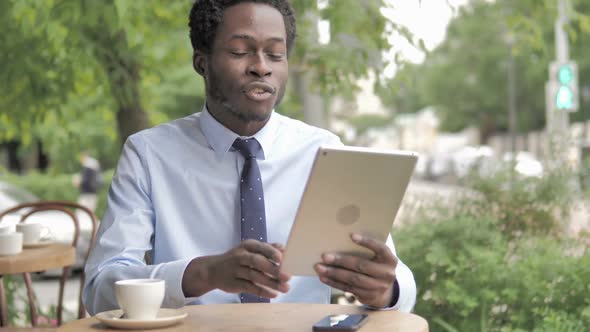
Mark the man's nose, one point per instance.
(259, 66)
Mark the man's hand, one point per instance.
(252, 267)
(370, 280)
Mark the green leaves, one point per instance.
(465, 78)
(357, 38)
(73, 65)
(497, 260)
(86, 66)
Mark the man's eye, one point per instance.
(276, 56)
(238, 53)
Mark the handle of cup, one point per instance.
(46, 234)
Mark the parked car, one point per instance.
(60, 225)
(525, 163)
(473, 158)
(436, 167)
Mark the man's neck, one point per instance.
(236, 124)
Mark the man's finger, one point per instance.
(260, 278)
(350, 278)
(381, 250)
(336, 284)
(258, 262)
(247, 286)
(262, 264)
(364, 295)
(362, 265)
(357, 291)
(265, 249)
(278, 246)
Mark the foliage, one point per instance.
(16, 298)
(58, 187)
(357, 38)
(497, 260)
(523, 205)
(85, 74)
(80, 73)
(465, 77)
(364, 122)
(12, 283)
(405, 92)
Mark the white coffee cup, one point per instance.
(5, 229)
(31, 232)
(140, 298)
(11, 243)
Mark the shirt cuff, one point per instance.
(394, 299)
(172, 272)
(395, 295)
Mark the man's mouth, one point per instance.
(258, 91)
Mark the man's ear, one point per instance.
(200, 62)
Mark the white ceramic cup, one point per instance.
(32, 232)
(11, 243)
(140, 298)
(5, 229)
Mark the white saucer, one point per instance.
(166, 317)
(39, 244)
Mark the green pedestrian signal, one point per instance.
(564, 100)
(564, 93)
(566, 74)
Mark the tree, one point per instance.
(80, 65)
(357, 39)
(87, 74)
(109, 43)
(466, 76)
(405, 93)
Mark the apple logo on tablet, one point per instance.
(348, 215)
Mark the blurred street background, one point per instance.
(494, 95)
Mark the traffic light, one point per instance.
(564, 78)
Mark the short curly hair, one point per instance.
(206, 15)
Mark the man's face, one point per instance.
(247, 69)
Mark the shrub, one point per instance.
(498, 259)
(523, 205)
(57, 187)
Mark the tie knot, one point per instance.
(248, 147)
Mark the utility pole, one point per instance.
(562, 50)
(510, 39)
(562, 54)
(511, 104)
(561, 90)
(512, 96)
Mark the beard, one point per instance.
(218, 94)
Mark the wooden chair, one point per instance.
(70, 209)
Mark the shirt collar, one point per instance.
(221, 139)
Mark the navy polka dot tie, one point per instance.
(253, 217)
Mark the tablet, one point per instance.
(349, 189)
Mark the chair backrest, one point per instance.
(70, 209)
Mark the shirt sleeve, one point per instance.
(406, 285)
(125, 236)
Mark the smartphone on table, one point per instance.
(341, 322)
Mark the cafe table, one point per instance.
(41, 258)
(277, 317)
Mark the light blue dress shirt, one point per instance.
(175, 196)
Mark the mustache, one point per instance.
(260, 85)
